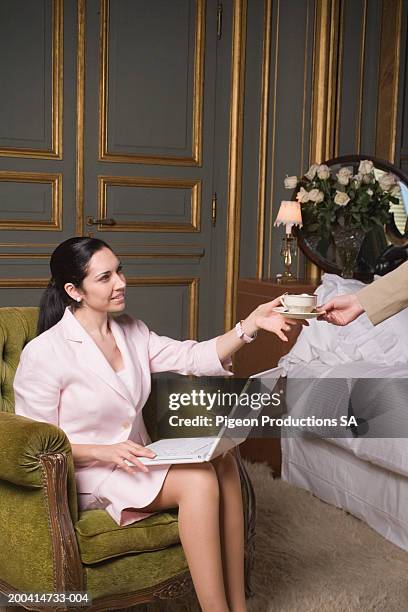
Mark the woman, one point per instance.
(89, 374)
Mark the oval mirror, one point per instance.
(321, 252)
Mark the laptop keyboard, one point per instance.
(182, 447)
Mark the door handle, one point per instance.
(93, 221)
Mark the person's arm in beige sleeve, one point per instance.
(380, 300)
(386, 296)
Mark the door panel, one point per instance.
(38, 42)
(31, 48)
(30, 201)
(144, 168)
(178, 296)
(150, 204)
(152, 71)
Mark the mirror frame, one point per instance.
(391, 231)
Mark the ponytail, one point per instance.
(52, 307)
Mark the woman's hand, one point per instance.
(264, 317)
(121, 452)
(341, 310)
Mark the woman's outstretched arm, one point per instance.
(263, 317)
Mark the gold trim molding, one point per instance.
(325, 90)
(157, 183)
(388, 79)
(193, 290)
(158, 255)
(360, 97)
(325, 66)
(79, 178)
(140, 255)
(273, 145)
(235, 159)
(198, 89)
(55, 223)
(305, 84)
(28, 244)
(57, 94)
(263, 138)
(114, 245)
(24, 283)
(336, 67)
(25, 255)
(144, 250)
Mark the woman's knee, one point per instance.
(198, 480)
(226, 464)
(184, 481)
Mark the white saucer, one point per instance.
(295, 315)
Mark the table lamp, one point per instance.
(289, 214)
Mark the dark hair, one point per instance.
(69, 264)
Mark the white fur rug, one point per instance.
(312, 557)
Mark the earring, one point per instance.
(78, 299)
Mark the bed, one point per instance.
(366, 476)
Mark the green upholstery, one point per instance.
(26, 552)
(100, 538)
(112, 560)
(135, 572)
(22, 441)
(17, 327)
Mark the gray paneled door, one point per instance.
(37, 141)
(139, 115)
(149, 152)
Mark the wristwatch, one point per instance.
(242, 335)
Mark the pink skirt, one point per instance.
(121, 494)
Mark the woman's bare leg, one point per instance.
(232, 530)
(194, 489)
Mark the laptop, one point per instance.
(199, 450)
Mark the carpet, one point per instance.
(312, 557)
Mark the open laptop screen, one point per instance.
(257, 396)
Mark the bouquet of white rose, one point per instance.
(339, 209)
(355, 201)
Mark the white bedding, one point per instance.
(352, 353)
(373, 494)
(366, 476)
(380, 400)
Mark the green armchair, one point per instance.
(46, 544)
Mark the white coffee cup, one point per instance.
(299, 302)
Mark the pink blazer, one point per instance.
(63, 378)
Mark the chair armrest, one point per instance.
(38, 506)
(25, 445)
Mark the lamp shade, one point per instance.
(289, 214)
